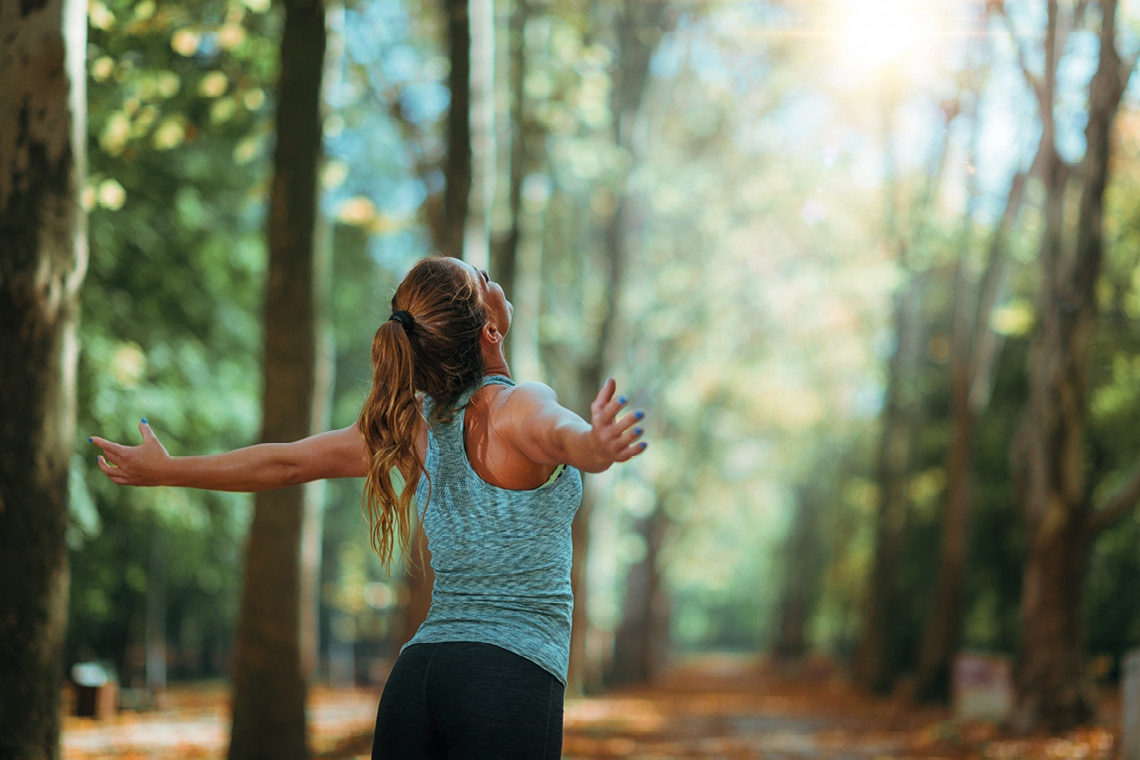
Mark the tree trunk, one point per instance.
(873, 665)
(801, 584)
(943, 626)
(155, 634)
(43, 258)
(269, 686)
(505, 244)
(638, 28)
(642, 640)
(1060, 522)
(312, 530)
(449, 233)
(973, 356)
(457, 163)
(483, 140)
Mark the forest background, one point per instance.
(871, 266)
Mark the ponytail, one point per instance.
(430, 346)
(388, 424)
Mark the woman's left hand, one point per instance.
(142, 465)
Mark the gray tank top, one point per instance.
(501, 558)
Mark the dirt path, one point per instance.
(728, 708)
(735, 709)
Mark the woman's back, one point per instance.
(501, 556)
(488, 420)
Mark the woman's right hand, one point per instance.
(615, 440)
(142, 465)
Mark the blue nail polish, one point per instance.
(145, 422)
(621, 399)
(637, 431)
(638, 414)
(91, 440)
(643, 444)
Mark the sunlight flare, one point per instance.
(877, 37)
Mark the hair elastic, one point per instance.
(404, 318)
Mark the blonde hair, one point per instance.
(434, 353)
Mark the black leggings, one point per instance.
(461, 700)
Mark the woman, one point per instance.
(493, 469)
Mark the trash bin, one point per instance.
(96, 691)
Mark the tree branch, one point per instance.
(1121, 503)
(1031, 79)
(1075, 22)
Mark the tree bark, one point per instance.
(269, 718)
(43, 259)
(874, 667)
(974, 351)
(155, 629)
(801, 584)
(457, 163)
(483, 139)
(641, 644)
(505, 245)
(1060, 520)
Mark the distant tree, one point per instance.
(875, 667)
(269, 718)
(1061, 519)
(43, 259)
(451, 226)
(448, 226)
(802, 560)
(641, 642)
(504, 252)
(637, 30)
(974, 350)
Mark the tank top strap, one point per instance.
(497, 380)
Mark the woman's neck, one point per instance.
(494, 363)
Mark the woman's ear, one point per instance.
(490, 334)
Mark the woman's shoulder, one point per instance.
(529, 395)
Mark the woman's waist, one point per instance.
(546, 623)
(553, 599)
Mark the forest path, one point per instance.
(736, 709)
(712, 707)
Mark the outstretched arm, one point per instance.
(548, 433)
(265, 466)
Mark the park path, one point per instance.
(714, 707)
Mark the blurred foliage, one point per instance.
(754, 323)
(179, 107)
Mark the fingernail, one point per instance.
(91, 440)
(644, 444)
(621, 399)
(637, 431)
(638, 414)
(145, 422)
